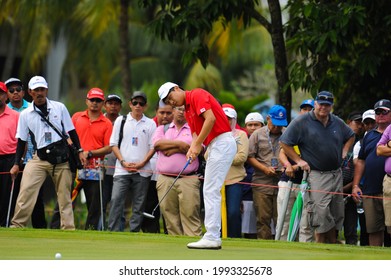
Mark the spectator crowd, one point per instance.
(177, 168)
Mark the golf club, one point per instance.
(100, 195)
(151, 216)
(10, 202)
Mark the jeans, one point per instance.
(233, 195)
(138, 187)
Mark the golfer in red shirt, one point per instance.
(209, 126)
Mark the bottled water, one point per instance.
(360, 208)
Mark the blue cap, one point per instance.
(277, 114)
(325, 97)
(307, 102)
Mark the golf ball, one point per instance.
(58, 256)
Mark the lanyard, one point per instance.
(275, 147)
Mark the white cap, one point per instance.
(231, 113)
(165, 89)
(254, 117)
(369, 114)
(12, 80)
(37, 81)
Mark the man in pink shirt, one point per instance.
(209, 126)
(9, 122)
(181, 206)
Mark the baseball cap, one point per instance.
(13, 81)
(383, 104)
(254, 117)
(368, 114)
(139, 94)
(114, 97)
(307, 102)
(95, 93)
(277, 114)
(165, 89)
(229, 111)
(325, 97)
(37, 81)
(3, 87)
(355, 116)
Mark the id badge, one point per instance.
(48, 137)
(134, 141)
(274, 162)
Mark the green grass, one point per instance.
(33, 244)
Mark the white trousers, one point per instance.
(221, 152)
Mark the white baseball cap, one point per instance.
(254, 117)
(231, 113)
(37, 81)
(165, 89)
(369, 114)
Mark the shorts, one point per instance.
(325, 208)
(374, 213)
(387, 200)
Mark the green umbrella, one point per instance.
(297, 209)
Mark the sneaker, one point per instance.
(205, 244)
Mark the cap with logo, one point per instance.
(37, 82)
(325, 97)
(139, 94)
(254, 117)
(277, 114)
(114, 97)
(13, 81)
(307, 102)
(96, 93)
(383, 104)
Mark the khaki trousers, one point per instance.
(181, 206)
(265, 206)
(34, 175)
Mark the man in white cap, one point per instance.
(18, 103)
(50, 158)
(252, 122)
(209, 126)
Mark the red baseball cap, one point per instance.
(95, 93)
(3, 87)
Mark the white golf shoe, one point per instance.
(205, 244)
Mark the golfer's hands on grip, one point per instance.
(193, 152)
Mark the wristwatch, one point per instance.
(80, 150)
(89, 155)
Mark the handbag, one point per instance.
(66, 148)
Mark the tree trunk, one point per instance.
(280, 57)
(124, 51)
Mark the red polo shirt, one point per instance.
(95, 134)
(197, 102)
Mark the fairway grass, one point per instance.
(34, 244)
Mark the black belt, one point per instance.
(174, 176)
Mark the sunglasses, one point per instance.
(325, 98)
(15, 89)
(382, 112)
(141, 103)
(96, 100)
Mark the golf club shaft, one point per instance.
(100, 195)
(173, 183)
(10, 202)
